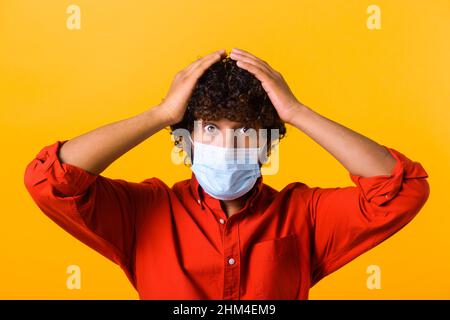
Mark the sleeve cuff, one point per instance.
(382, 188)
(67, 179)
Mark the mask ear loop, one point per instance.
(262, 153)
(188, 147)
(192, 141)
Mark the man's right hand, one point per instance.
(175, 103)
(95, 150)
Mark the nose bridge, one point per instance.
(228, 140)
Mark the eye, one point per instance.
(210, 128)
(243, 130)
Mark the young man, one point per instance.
(224, 234)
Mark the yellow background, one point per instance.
(391, 85)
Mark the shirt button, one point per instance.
(198, 201)
(231, 261)
(221, 221)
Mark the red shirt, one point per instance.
(177, 242)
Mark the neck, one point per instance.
(233, 206)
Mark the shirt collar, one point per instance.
(200, 194)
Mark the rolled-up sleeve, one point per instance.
(348, 221)
(97, 210)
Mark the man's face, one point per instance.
(226, 133)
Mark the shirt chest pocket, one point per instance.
(274, 269)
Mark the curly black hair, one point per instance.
(227, 91)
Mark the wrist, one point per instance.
(296, 111)
(161, 113)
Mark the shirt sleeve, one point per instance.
(348, 221)
(97, 210)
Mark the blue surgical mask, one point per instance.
(225, 173)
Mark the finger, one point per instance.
(208, 61)
(254, 69)
(252, 59)
(249, 55)
(257, 63)
(195, 63)
(205, 58)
